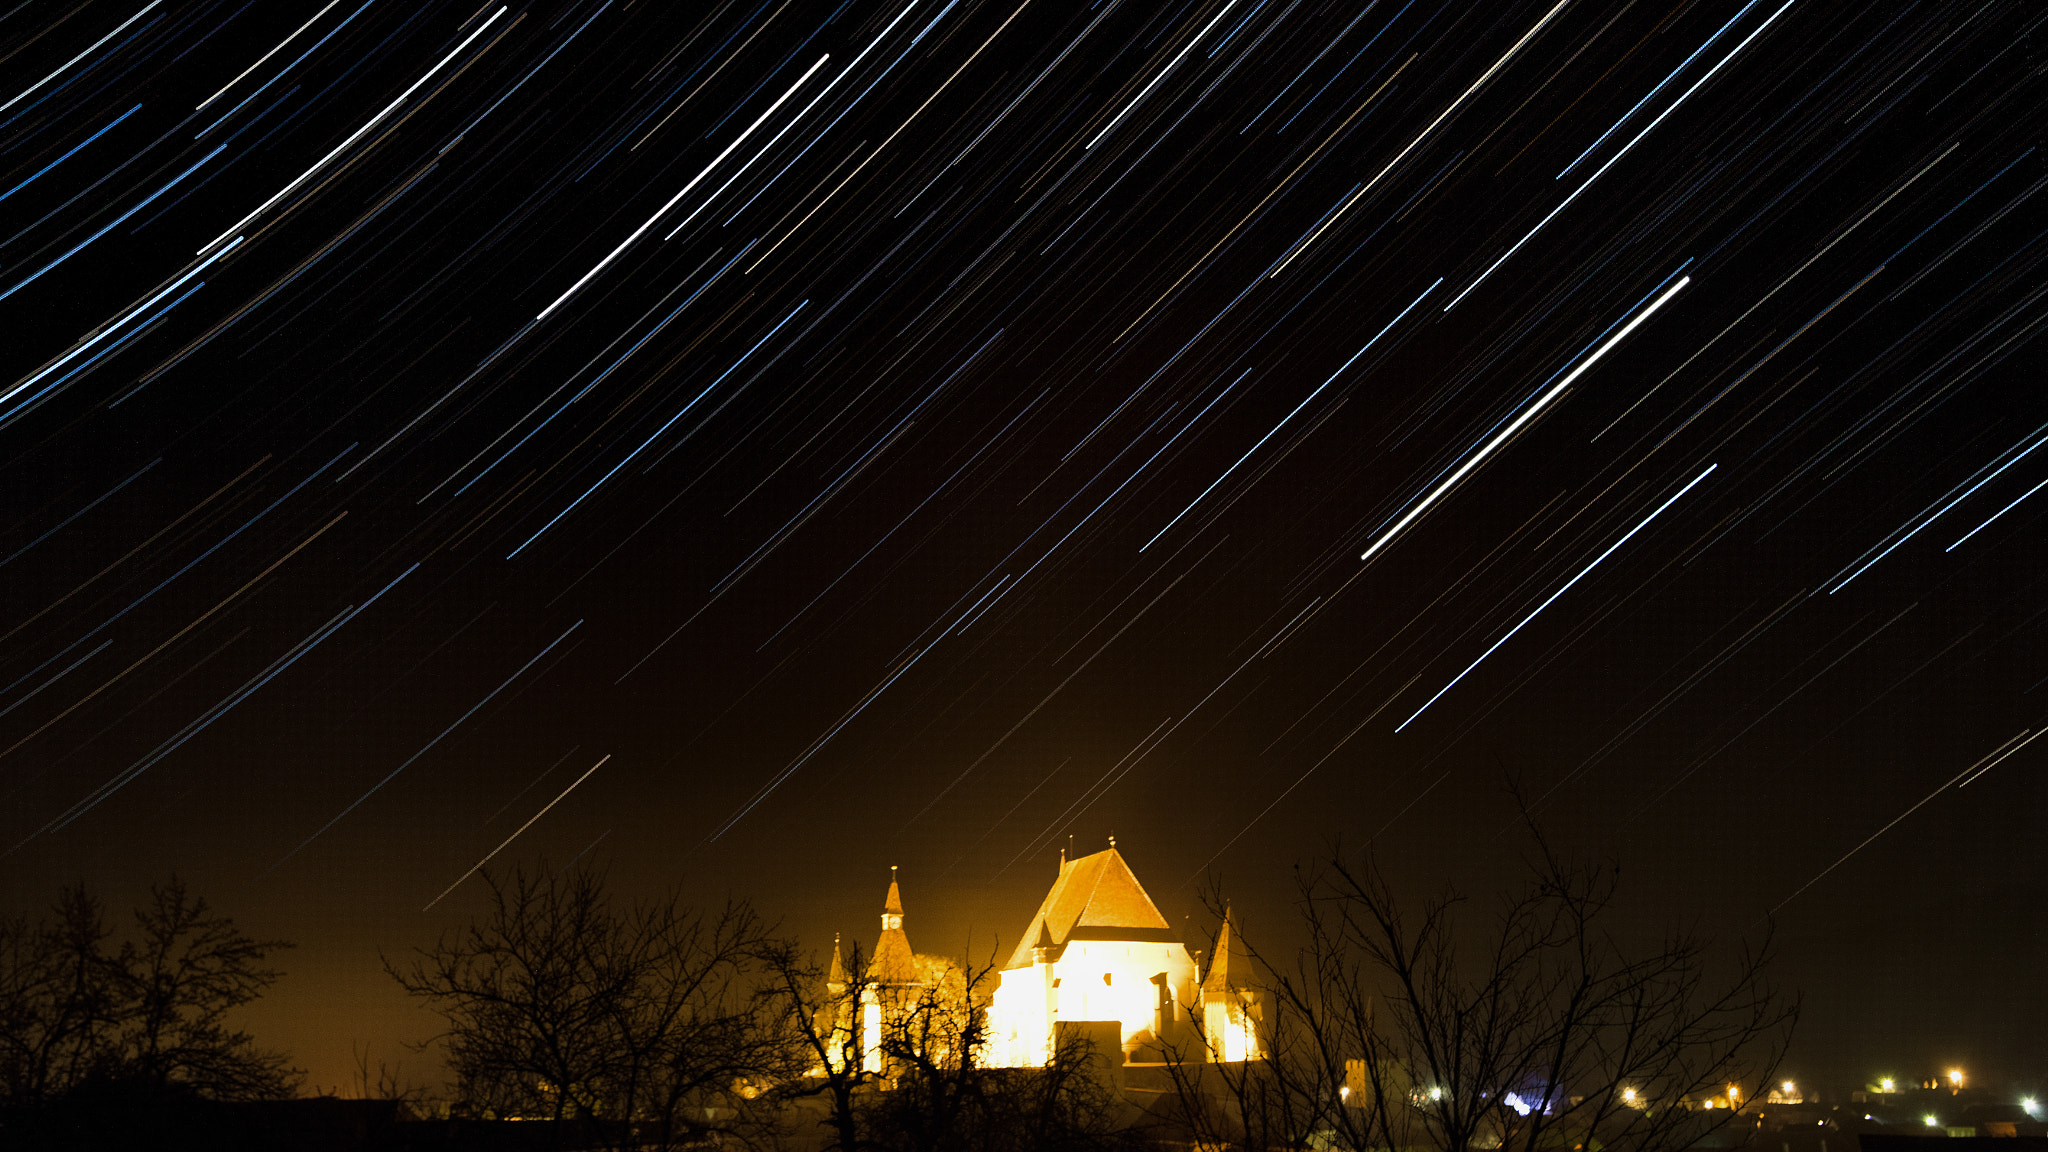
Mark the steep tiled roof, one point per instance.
(1225, 970)
(893, 962)
(1095, 898)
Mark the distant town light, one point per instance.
(1788, 1087)
(1436, 1093)
(1887, 1085)
(2032, 1106)
(1930, 1121)
(1520, 1106)
(1628, 1094)
(1955, 1077)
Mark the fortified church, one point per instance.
(1096, 961)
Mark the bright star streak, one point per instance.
(201, 106)
(1996, 515)
(1602, 170)
(1944, 508)
(1163, 74)
(1423, 135)
(1652, 94)
(601, 265)
(357, 135)
(109, 330)
(1508, 432)
(1554, 595)
(23, 94)
(1915, 808)
(515, 835)
(2001, 759)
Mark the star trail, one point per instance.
(916, 432)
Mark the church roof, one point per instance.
(1095, 898)
(893, 962)
(1226, 970)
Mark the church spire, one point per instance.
(892, 961)
(1221, 978)
(892, 908)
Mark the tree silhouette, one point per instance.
(561, 1004)
(1406, 1024)
(114, 1040)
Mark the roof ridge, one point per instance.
(1100, 900)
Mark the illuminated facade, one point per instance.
(1233, 1008)
(1098, 950)
(890, 982)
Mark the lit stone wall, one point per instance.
(1096, 980)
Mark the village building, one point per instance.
(1097, 952)
(1097, 961)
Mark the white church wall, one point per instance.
(1096, 980)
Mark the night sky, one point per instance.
(914, 434)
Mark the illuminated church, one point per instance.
(892, 982)
(1096, 956)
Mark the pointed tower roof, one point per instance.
(1095, 898)
(893, 962)
(835, 977)
(1226, 969)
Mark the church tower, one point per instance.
(892, 962)
(891, 980)
(1233, 1007)
(834, 1020)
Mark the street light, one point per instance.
(2032, 1106)
(1929, 1120)
(1955, 1077)
(1887, 1085)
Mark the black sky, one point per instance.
(913, 434)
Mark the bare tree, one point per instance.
(1069, 1105)
(57, 998)
(933, 1043)
(389, 1082)
(818, 1015)
(177, 980)
(1405, 1024)
(561, 1005)
(148, 1013)
(919, 1082)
